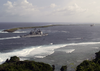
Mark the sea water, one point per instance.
(65, 45)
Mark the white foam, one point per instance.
(33, 51)
(55, 31)
(9, 38)
(40, 56)
(1, 31)
(41, 51)
(23, 53)
(69, 50)
(65, 31)
(95, 47)
(45, 50)
(83, 43)
(20, 32)
(74, 38)
(51, 43)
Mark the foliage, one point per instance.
(24, 66)
(88, 66)
(63, 68)
(97, 56)
(93, 65)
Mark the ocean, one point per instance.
(65, 45)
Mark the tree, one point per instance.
(63, 68)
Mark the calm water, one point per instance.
(64, 45)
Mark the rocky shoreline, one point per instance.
(15, 29)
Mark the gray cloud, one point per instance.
(53, 5)
(69, 10)
(21, 8)
(51, 11)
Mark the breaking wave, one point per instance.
(95, 47)
(41, 51)
(55, 31)
(67, 51)
(74, 38)
(70, 50)
(33, 51)
(9, 38)
(20, 32)
(1, 31)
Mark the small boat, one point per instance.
(92, 25)
(35, 33)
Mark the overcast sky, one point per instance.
(74, 11)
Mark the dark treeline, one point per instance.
(14, 64)
(90, 65)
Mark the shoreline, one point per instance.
(15, 29)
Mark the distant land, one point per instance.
(15, 29)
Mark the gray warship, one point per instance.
(35, 33)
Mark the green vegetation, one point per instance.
(93, 65)
(11, 30)
(63, 68)
(15, 29)
(15, 65)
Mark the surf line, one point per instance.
(6, 38)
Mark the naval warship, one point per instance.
(35, 33)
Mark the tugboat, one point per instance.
(35, 33)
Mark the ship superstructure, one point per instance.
(35, 33)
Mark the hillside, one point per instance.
(14, 64)
(90, 65)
